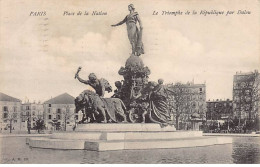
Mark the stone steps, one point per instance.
(104, 145)
(126, 135)
(154, 144)
(108, 137)
(123, 127)
(56, 143)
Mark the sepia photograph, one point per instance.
(130, 82)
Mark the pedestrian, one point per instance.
(29, 126)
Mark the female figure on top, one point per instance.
(134, 34)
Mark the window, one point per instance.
(5, 108)
(193, 98)
(27, 107)
(15, 121)
(58, 116)
(76, 117)
(49, 110)
(49, 116)
(15, 108)
(58, 110)
(33, 113)
(243, 84)
(49, 105)
(5, 115)
(33, 107)
(15, 115)
(248, 98)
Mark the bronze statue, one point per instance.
(160, 112)
(151, 103)
(118, 91)
(94, 106)
(100, 85)
(134, 34)
(100, 109)
(135, 99)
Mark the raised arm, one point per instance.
(82, 80)
(120, 23)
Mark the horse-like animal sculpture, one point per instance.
(99, 109)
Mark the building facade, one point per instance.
(243, 91)
(256, 97)
(219, 109)
(10, 108)
(59, 113)
(193, 101)
(31, 112)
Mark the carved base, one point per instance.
(105, 137)
(124, 127)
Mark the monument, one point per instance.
(137, 116)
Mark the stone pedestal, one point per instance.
(124, 127)
(105, 137)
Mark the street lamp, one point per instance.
(10, 119)
(65, 117)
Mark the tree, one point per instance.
(56, 124)
(181, 104)
(256, 123)
(67, 115)
(39, 125)
(10, 118)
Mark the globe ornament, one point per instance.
(134, 62)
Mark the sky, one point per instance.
(39, 55)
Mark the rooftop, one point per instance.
(247, 73)
(4, 97)
(64, 98)
(189, 85)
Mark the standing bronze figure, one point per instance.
(134, 34)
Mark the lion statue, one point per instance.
(99, 109)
